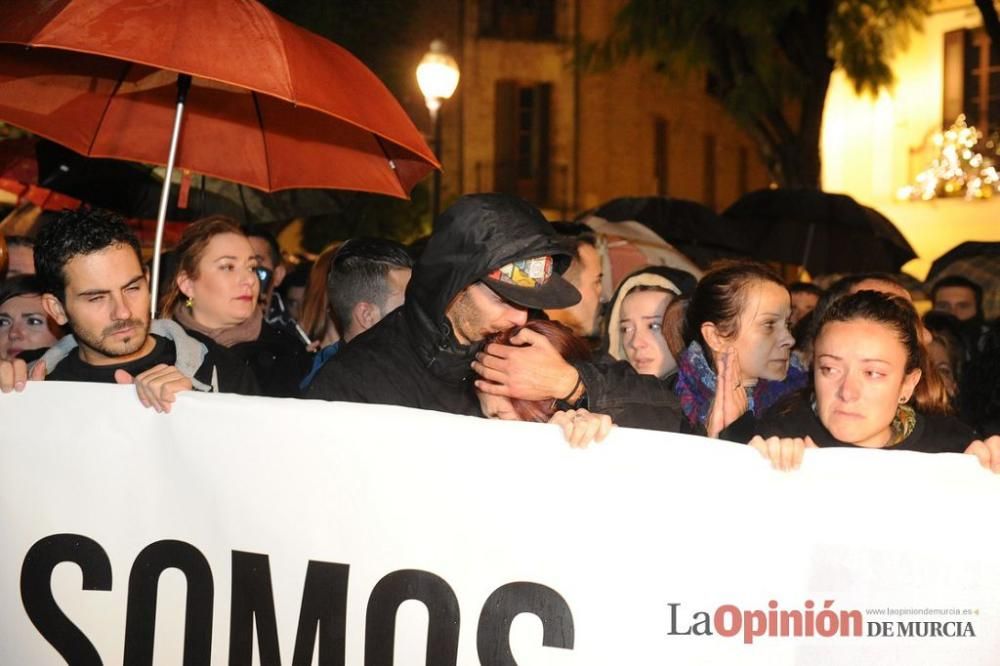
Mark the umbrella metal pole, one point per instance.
(183, 85)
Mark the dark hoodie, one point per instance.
(411, 358)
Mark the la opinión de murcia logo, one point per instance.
(729, 620)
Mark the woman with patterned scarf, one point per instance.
(868, 391)
(736, 327)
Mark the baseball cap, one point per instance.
(532, 283)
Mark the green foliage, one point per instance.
(865, 34)
(8, 131)
(768, 61)
(776, 44)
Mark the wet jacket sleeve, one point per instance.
(740, 431)
(232, 374)
(338, 381)
(630, 399)
(241, 381)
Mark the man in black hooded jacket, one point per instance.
(491, 257)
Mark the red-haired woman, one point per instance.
(579, 425)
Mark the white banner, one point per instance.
(250, 530)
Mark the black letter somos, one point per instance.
(140, 616)
(36, 591)
(252, 598)
(323, 611)
(499, 611)
(442, 610)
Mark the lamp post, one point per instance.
(437, 76)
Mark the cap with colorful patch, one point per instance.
(532, 283)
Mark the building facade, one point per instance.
(873, 146)
(525, 120)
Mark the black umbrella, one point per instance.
(692, 228)
(124, 187)
(967, 252)
(976, 261)
(134, 191)
(258, 207)
(826, 233)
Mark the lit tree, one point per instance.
(957, 170)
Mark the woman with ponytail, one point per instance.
(738, 360)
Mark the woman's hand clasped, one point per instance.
(987, 451)
(582, 427)
(730, 401)
(785, 453)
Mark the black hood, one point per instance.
(478, 233)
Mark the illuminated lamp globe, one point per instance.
(437, 75)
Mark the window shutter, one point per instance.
(505, 139)
(487, 17)
(954, 77)
(661, 155)
(543, 112)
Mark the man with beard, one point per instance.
(90, 266)
(491, 258)
(586, 274)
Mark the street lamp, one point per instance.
(437, 76)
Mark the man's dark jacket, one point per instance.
(411, 357)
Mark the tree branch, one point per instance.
(990, 20)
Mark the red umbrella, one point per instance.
(258, 101)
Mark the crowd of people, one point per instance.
(499, 314)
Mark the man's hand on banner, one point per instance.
(14, 375)
(987, 451)
(582, 427)
(529, 368)
(785, 453)
(156, 387)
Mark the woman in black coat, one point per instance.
(867, 391)
(215, 298)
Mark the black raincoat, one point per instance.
(411, 358)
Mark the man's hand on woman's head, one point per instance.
(530, 368)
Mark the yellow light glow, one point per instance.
(437, 75)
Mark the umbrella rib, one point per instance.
(114, 91)
(263, 139)
(392, 163)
